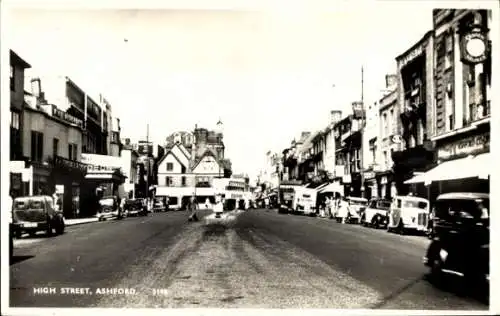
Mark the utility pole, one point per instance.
(362, 130)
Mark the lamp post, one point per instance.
(362, 129)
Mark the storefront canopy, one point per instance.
(332, 188)
(469, 167)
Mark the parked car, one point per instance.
(408, 213)
(159, 204)
(135, 207)
(109, 208)
(357, 206)
(375, 214)
(32, 214)
(461, 237)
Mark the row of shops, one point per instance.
(78, 186)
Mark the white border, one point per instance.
(232, 5)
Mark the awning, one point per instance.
(321, 186)
(469, 167)
(332, 187)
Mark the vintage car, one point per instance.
(461, 237)
(375, 214)
(408, 213)
(135, 207)
(357, 207)
(36, 213)
(109, 208)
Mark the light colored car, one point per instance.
(375, 214)
(357, 206)
(109, 208)
(408, 213)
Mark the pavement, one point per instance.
(246, 259)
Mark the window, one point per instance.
(14, 120)
(170, 166)
(55, 147)
(36, 146)
(449, 51)
(389, 123)
(183, 181)
(386, 162)
(73, 152)
(168, 181)
(384, 122)
(12, 78)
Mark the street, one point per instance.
(254, 259)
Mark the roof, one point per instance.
(463, 196)
(207, 152)
(168, 150)
(16, 60)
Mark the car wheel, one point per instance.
(401, 228)
(60, 227)
(49, 229)
(436, 272)
(375, 221)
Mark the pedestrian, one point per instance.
(218, 207)
(343, 210)
(331, 206)
(192, 209)
(207, 201)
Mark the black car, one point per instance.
(461, 238)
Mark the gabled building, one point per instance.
(173, 168)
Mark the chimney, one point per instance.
(335, 116)
(36, 87)
(391, 81)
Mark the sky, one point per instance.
(268, 74)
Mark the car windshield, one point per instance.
(447, 209)
(28, 205)
(358, 202)
(415, 204)
(106, 202)
(384, 205)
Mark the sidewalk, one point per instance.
(77, 221)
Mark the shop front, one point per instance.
(463, 165)
(103, 178)
(66, 177)
(370, 184)
(408, 164)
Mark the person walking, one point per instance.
(192, 209)
(218, 207)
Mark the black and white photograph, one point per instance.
(193, 155)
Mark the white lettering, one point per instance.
(115, 291)
(75, 291)
(44, 290)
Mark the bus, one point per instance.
(297, 199)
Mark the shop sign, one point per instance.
(466, 146)
(101, 162)
(70, 164)
(66, 117)
(406, 59)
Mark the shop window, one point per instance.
(36, 146)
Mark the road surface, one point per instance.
(253, 259)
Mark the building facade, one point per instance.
(462, 111)
(415, 95)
